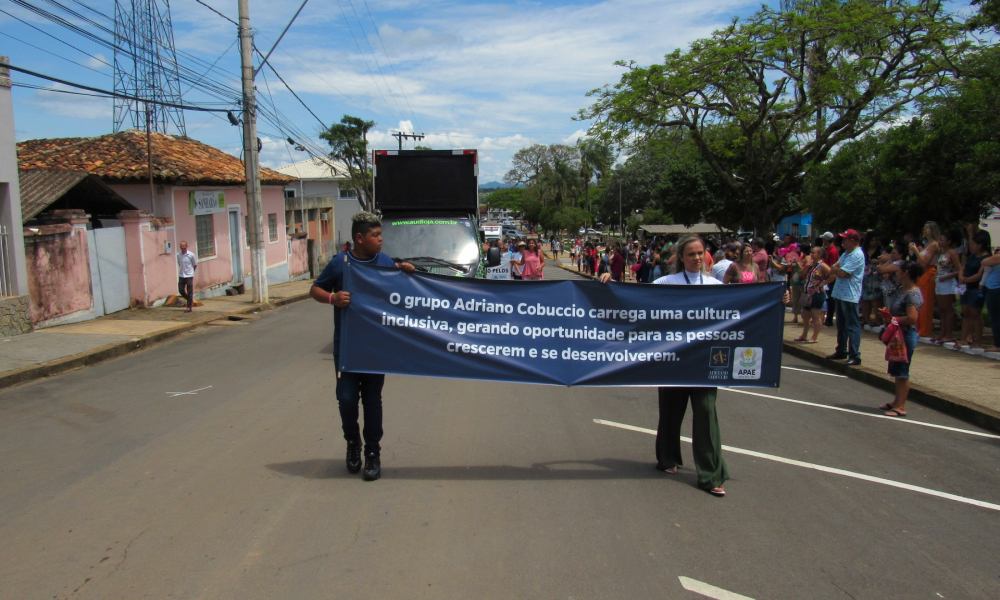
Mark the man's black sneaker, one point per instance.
(354, 457)
(373, 467)
(836, 356)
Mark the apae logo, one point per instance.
(748, 363)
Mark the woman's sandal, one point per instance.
(886, 406)
(801, 338)
(717, 492)
(812, 341)
(895, 413)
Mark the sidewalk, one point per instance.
(958, 383)
(59, 349)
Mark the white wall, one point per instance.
(10, 187)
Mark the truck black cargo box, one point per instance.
(427, 180)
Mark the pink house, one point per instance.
(196, 194)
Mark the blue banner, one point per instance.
(562, 332)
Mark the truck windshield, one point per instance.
(449, 239)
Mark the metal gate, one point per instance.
(110, 276)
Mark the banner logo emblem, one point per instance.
(748, 363)
(720, 357)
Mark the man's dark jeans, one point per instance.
(366, 387)
(848, 329)
(185, 287)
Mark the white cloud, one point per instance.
(73, 105)
(575, 137)
(97, 61)
(497, 75)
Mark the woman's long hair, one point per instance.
(681, 245)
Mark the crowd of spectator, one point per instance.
(849, 280)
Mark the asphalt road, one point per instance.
(113, 485)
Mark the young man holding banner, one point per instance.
(366, 231)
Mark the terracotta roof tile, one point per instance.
(122, 157)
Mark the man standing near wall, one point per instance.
(187, 263)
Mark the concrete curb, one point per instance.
(118, 349)
(946, 403)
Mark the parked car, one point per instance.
(513, 233)
(590, 231)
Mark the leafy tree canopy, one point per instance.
(790, 86)
(348, 141)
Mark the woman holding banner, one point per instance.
(689, 269)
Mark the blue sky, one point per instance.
(497, 76)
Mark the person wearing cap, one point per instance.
(848, 274)
(516, 255)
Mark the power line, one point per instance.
(55, 55)
(184, 72)
(375, 58)
(361, 53)
(43, 32)
(388, 60)
(40, 88)
(212, 66)
(217, 12)
(301, 101)
(326, 81)
(280, 37)
(114, 94)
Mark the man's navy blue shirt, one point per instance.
(332, 280)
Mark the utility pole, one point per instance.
(399, 137)
(258, 263)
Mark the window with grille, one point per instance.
(348, 192)
(272, 226)
(204, 226)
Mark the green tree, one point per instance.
(793, 86)
(596, 159)
(511, 199)
(348, 141)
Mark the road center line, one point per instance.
(864, 414)
(815, 467)
(815, 372)
(191, 393)
(698, 587)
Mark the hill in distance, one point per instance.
(494, 185)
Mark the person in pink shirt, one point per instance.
(532, 262)
(761, 259)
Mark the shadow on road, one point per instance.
(581, 470)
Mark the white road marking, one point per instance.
(191, 393)
(815, 467)
(698, 587)
(864, 414)
(815, 372)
